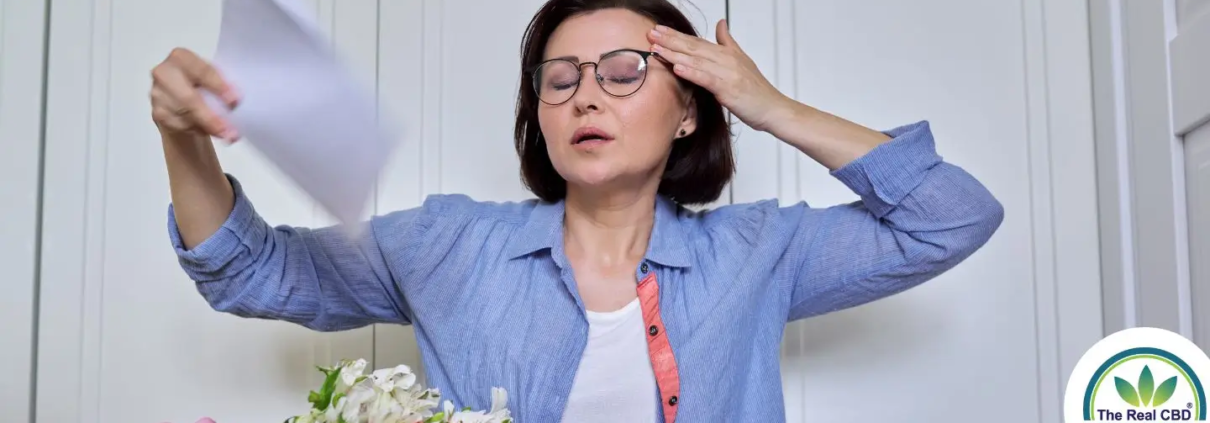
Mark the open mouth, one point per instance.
(589, 136)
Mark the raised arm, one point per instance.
(315, 278)
(918, 217)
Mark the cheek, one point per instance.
(550, 124)
(547, 122)
(650, 121)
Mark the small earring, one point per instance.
(682, 132)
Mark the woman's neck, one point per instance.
(609, 229)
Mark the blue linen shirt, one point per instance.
(494, 302)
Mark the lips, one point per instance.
(590, 135)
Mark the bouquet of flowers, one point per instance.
(389, 395)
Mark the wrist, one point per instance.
(190, 155)
(830, 140)
(789, 117)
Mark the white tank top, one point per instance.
(615, 381)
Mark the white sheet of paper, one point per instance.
(300, 107)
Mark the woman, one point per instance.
(603, 299)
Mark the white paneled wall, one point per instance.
(1153, 102)
(1189, 40)
(1008, 99)
(22, 28)
(1197, 171)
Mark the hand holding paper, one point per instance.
(299, 106)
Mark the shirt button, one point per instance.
(653, 330)
(643, 268)
(672, 401)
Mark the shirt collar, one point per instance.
(544, 230)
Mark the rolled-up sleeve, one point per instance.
(230, 249)
(319, 278)
(918, 216)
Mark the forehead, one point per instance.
(588, 35)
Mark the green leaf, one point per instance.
(326, 391)
(436, 417)
(1146, 386)
(1126, 391)
(1164, 392)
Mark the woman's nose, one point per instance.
(588, 96)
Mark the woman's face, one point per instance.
(599, 141)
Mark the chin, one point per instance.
(597, 174)
(594, 178)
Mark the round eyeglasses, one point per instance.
(619, 73)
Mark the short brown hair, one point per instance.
(700, 165)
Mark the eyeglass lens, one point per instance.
(619, 74)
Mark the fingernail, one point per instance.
(655, 33)
(656, 48)
(232, 96)
(229, 134)
(662, 28)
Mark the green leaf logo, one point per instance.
(1164, 392)
(1147, 394)
(1126, 391)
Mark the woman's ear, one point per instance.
(689, 120)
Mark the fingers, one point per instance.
(164, 111)
(678, 58)
(671, 39)
(204, 74)
(177, 102)
(695, 59)
(722, 32)
(179, 105)
(698, 76)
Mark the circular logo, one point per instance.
(1138, 374)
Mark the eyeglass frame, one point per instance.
(645, 55)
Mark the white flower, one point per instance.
(391, 395)
(352, 404)
(350, 372)
(333, 411)
(417, 401)
(468, 417)
(387, 379)
(499, 401)
(350, 414)
(498, 414)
